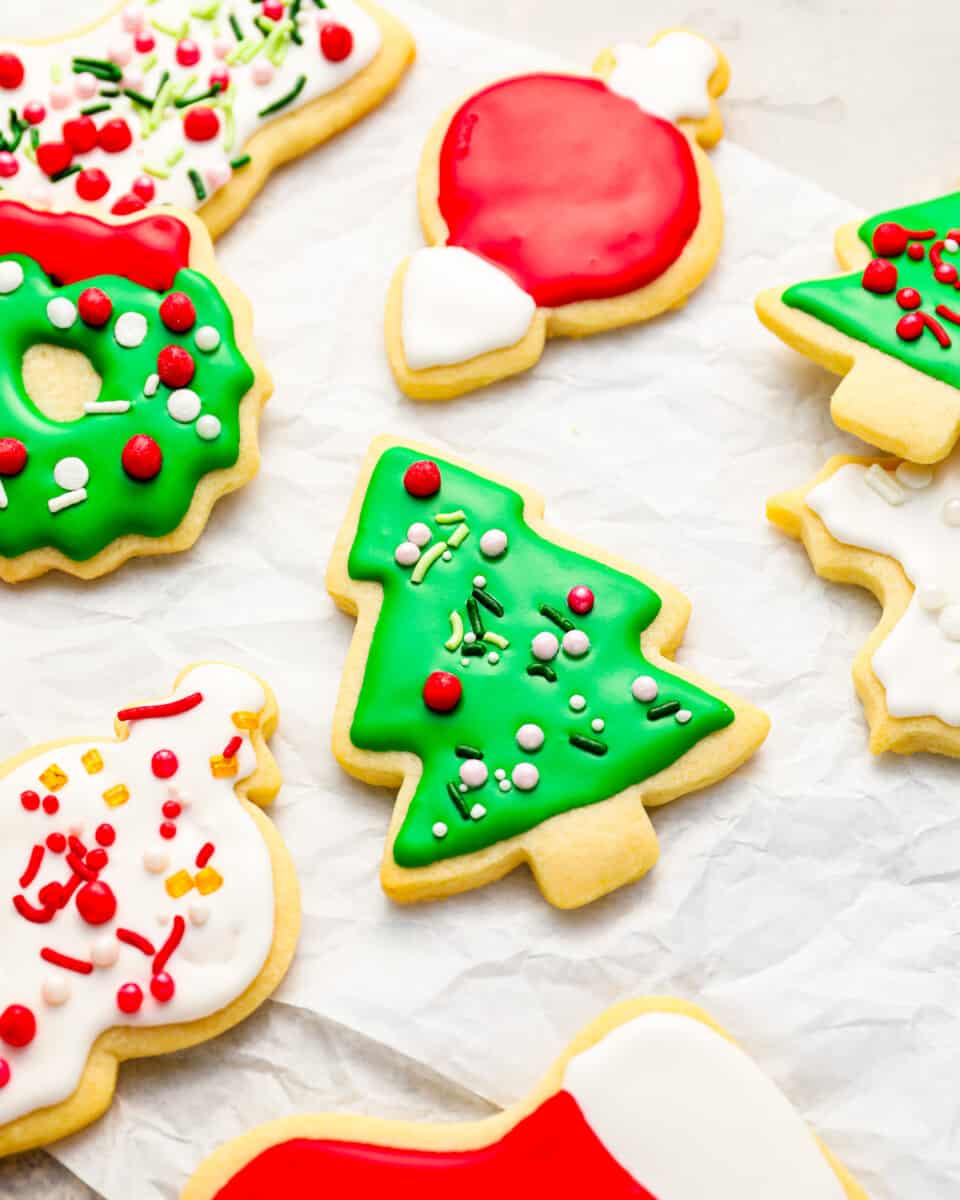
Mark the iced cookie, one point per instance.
(131, 392)
(893, 529)
(891, 327)
(189, 102)
(652, 1102)
(559, 206)
(513, 684)
(152, 905)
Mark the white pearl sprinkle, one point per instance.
(199, 914)
(11, 277)
(208, 427)
(525, 776)
(56, 992)
(931, 598)
(419, 534)
(130, 330)
(61, 312)
(530, 737)
(156, 860)
(575, 643)
(493, 543)
(447, 555)
(183, 405)
(470, 638)
(493, 658)
(478, 812)
(950, 622)
(577, 702)
(913, 476)
(545, 646)
(480, 581)
(474, 772)
(439, 830)
(598, 724)
(71, 474)
(499, 773)
(644, 689)
(951, 513)
(463, 787)
(150, 387)
(207, 339)
(684, 716)
(406, 554)
(505, 785)
(951, 245)
(104, 952)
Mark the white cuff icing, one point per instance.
(668, 79)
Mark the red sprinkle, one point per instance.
(937, 330)
(171, 810)
(946, 273)
(948, 314)
(106, 835)
(34, 113)
(422, 479)
(4, 1072)
(8, 168)
(18, 1025)
(56, 843)
(220, 77)
(144, 187)
(168, 830)
(201, 124)
(173, 941)
(175, 366)
(130, 938)
(96, 859)
(162, 987)
(149, 712)
(56, 959)
(94, 306)
(33, 867)
(442, 692)
(144, 42)
(96, 903)
(188, 53)
(80, 867)
(142, 458)
(336, 42)
(129, 998)
(128, 203)
(177, 312)
(51, 895)
(13, 457)
(910, 327)
(38, 916)
(51, 805)
(909, 298)
(77, 846)
(880, 276)
(232, 747)
(92, 184)
(580, 600)
(204, 854)
(30, 801)
(54, 157)
(164, 764)
(80, 134)
(915, 251)
(11, 72)
(115, 136)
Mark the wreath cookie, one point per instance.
(559, 206)
(97, 466)
(892, 528)
(153, 905)
(512, 683)
(891, 327)
(652, 1102)
(189, 102)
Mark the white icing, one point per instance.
(212, 965)
(691, 1117)
(456, 306)
(916, 662)
(214, 38)
(668, 79)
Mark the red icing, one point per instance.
(173, 708)
(573, 190)
(71, 247)
(553, 1152)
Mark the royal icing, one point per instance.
(669, 78)
(140, 891)
(911, 514)
(157, 104)
(479, 646)
(129, 461)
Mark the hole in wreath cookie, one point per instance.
(59, 381)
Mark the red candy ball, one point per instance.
(128, 203)
(94, 306)
(220, 77)
(164, 764)
(51, 805)
(909, 298)
(96, 903)
(188, 53)
(34, 113)
(442, 692)
(272, 10)
(168, 830)
(80, 134)
(142, 458)
(880, 276)
(114, 136)
(92, 184)
(422, 479)
(18, 1025)
(8, 165)
(54, 157)
(201, 124)
(96, 859)
(171, 809)
(889, 239)
(177, 312)
(56, 843)
(915, 251)
(11, 72)
(580, 600)
(910, 327)
(175, 366)
(13, 457)
(4, 1072)
(30, 801)
(144, 187)
(336, 42)
(162, 987)
(106, 835)
(946, 273)
(144, 42)
(129, 998)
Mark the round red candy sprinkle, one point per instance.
(442, 692)
(129, 998)
(171, 809)
(94, 306)
(96, 903)
(909, 298)
(92, 184)
(162, 987)
(34, 113)
(54, 157)
(580, 600)
(144, 42)
(128, 203)
(177, 312)
(336, 42)
(114, 136)
(188, 52)
(272, 10)
(13, 457)
(175, 366)
(8, 165)
(201, 124)
(422, 479)
(220, 77)
(11, 72)
(51, 805)
(18, 1025)
(915, 251)
(144, 187)
(106, 835)
(164, 764)
(880, 276)
(168, 830)
(4, 1072)
(910, 327)
(142, 458)
(30, 801)
(96, 859)
(56, 843)
(946, 273)
(80, 134)
(889, 239)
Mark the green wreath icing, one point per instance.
(419, 632)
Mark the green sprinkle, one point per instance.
(75, 169)
(187, 101)
(242, 161)
(456, 635)
(235, 26)
(557, 617)
(286, 99)
(450, 518)
(208, 13)
(495, 639)
(177, 34)
(459, 535)
(542, 670)
(138, 98)
(197, 182)
(56, 73)
(320, 3)
(230, 132)
(100, 67)
(92, 109)
(659, 711)
(426, 561)
(149, 64)
(240, 52)
(156, 172)
(174, 158)
(491, 603)
(468, 752)
(264, 24)
(591, 745)
(164, 93)
(295, 33)
(110, 91)
(454, 793)
(472, 650)
(473, 614)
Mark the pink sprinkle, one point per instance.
(133, 18)
(59, 97)
(85, 85)
(262, 72)
(120, 53)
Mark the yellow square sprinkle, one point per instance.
(93, 762)
(223, 768)
(246, 720)
(117, 795)
(178, 885)
(208, 880)
(53, 778)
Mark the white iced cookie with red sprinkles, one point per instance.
(187, 103)
(146, 890)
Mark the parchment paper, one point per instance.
(810, 902)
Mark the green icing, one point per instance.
(409, 643)
(116, 504)
(843, 303)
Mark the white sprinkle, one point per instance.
(463, 787)
(104, 952)
(208, 427)
(447, 555)
(183, 405)
(3, 496)
(530, 737)
(951, 245)
(525, 776)
(931, 598)
(406, 554)
(478, 812)
(493, 658)
(11, 277)
(106, 407)
(419, 534)
(644, 689)
(56, 992)
(67, 500)
(577, 702)
(505, 785)
(545, 646)
(71, 473)
(156, 860)
(598, 724)
(470, 638)
(913, 476)
(474, 772)
(884, 485)
(951, 513)
(684, 716)
(439, 830)
(575, 643)
(480, 581)
(950, 622)
(61, 312)
(130, 330)
(493, 543)
(199, 914)
(207, 338)
(150, 387)
(499, 773)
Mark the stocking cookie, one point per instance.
(892, 528)
(152, 905)
(512, 683)
(652, 1102)
(131, 389)
(186, 103)
(891, 327)
(558, 206)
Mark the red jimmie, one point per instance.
(552, 1152)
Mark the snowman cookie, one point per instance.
(891, 528)
(189, 102)
(558, 206)
(151, 905)
(131, 391)
(652, 1102)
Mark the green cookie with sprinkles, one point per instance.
(515, 685)
(131, 391)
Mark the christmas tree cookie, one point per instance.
(653, 1101)
(893, 528)
(513, 684)
(891, 326)
(151, 903)
(559, 206)
(189, 102)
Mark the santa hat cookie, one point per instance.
(652, 1102)
(559, 205)
(153, 905)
